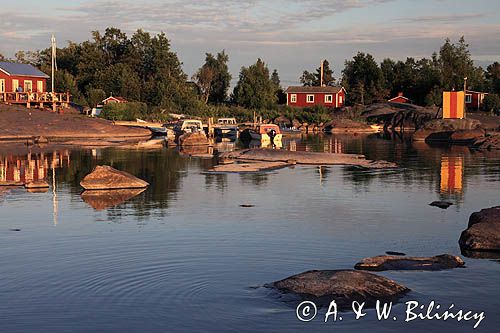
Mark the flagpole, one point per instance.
(53, 44)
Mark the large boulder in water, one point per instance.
(343, 286)
(385, 263)
(483, 232)
(105, 177)
(450, 130)
(193, 139)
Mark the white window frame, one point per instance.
(2, 85)
(39, 84)
(15, 85)
(328, 98)
(30, 84)
(310, 100)
(468, 98)
(341, 99)
(293, 98)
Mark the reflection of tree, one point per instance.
(256, 179)
(220, 181)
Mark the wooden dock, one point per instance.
(36, 98)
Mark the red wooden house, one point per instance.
(311, 96)
(21, 77)
(114, 99)
(400, 99)
(474, 99)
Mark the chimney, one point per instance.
(400, 94)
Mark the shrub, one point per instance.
(123, 111)
(491, 102)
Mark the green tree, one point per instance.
(491, 103)
(493, 77)
(255, 88)
(363, 79)
(213, 78)
(455, 64)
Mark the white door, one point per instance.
(15, 84)
(2, 86)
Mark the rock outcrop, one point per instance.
(105, 178)
(193, 139)
(344, 286)
(386, 263)
(489, 142)
(450, 130)
(302, 157)
(483, 232)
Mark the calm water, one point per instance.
(183, 256)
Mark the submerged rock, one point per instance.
(483, 232)
(248, 167)
(441, 204)
(102, 199)
(395, 253)
(344, 286)
(37, 184)
(305, 157)
(105, 177)
(385, 263)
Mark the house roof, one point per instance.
(476, 92)
(314, 89)
(400, 96)
(13, 68)
(116, 98)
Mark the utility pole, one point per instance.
(322, 73)
(465, 93)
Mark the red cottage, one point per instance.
(114, 99)
(474, 99)
(14, 77)
(310, 96)
(400, 99)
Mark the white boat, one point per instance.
(226, 127)
(188, 126)
(264, 133)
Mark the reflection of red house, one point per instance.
(311, 96)
(114, 99)
(474, 99)
(400, 99)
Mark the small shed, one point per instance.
(400, 99)
(114, 99)
(474, 99)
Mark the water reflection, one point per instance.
(452, 172)
(31, 167)
(103, 199)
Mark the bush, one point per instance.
(124, 111)
(491, 103)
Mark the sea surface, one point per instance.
(183, 256)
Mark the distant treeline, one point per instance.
(143, 68)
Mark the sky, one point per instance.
(289, 35)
